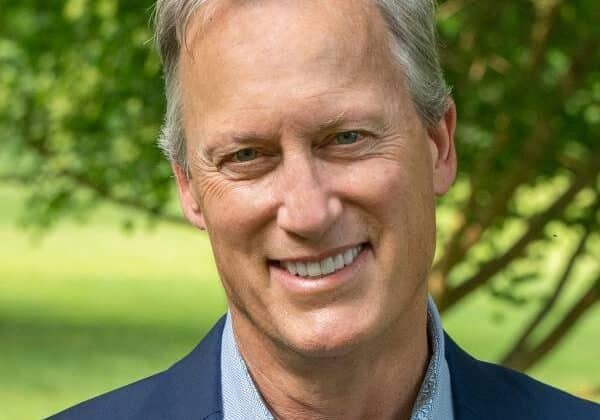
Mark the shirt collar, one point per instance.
(434, 400)
(241, 399)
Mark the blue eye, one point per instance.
(246, 155)
(347, 137)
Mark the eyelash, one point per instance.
(231, 158)
(359, 137)
(252, 149)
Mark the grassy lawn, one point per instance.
(86, 309)
(89, 308)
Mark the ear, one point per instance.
(188, 200)
(443, 152)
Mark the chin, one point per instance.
(330, 336)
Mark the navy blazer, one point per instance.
(191, 389)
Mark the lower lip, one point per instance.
(335, 281)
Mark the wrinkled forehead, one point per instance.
(359, 20)
(284, 57)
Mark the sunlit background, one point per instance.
(103, 283)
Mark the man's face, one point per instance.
(311, 171)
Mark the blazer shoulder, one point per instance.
(191, 388)
(121, 403)
(496, 392)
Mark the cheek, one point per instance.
(398, 201)
(234, 211)
(393, 190)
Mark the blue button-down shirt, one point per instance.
(242, 401)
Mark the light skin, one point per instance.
(303, 142)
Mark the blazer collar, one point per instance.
(191, 389)
(465, 395)
(481, 390)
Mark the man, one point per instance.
(310, 138)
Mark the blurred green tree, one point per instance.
(81, 101)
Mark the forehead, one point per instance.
(281, 17)
(246, 55)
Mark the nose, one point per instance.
(309, 208)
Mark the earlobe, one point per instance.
(443, 151)
(189, 203)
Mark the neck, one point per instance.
(375, 380)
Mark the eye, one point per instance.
(245, 155)
(347, 137)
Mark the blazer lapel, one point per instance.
(484, 391)
(466, 396)
(191, 389)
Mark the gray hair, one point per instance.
(411, 25)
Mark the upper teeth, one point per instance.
(325, 266)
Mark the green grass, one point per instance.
(573, 365)
(89, 308)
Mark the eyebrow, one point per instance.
(225, 141)
(373, 117)
(333, 122)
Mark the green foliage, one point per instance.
(81, 101)
(523, 72)
(81, 98)
(68, 328)
(526, 82)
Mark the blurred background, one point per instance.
(102, 282)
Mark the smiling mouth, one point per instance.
(323, 267)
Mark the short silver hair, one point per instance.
(410, 23)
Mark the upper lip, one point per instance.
(319, 256)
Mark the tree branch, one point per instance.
(105, 194)
(469, 234)
(541, 29)
(13, 179)
(521, 342)
(471, 229)
(528, 359)
(132, 204)
(449, 8)
(534, 231)
(39, 147)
